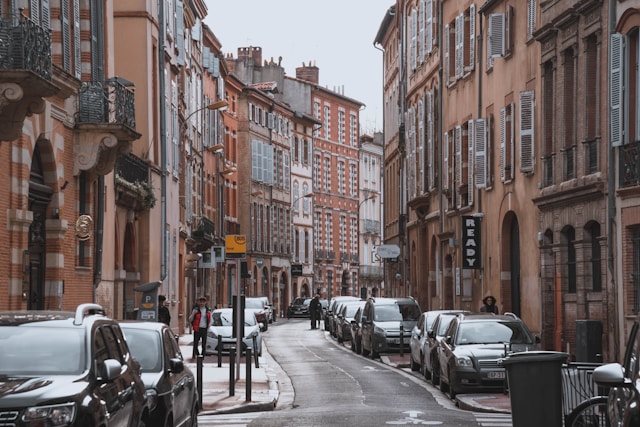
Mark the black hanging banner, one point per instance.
(471, 243)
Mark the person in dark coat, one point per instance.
(164, 315)
(200, 319)
(314, 311)
(489, 305)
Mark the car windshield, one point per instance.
(492, 333)
(225, 318)
(410, 312)
(253, 303)
(387, 313)
(146, 347)
(34, 350)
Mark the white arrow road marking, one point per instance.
(414, 420)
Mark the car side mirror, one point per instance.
(110, 370)
(447, 339)
(611, 375)
(431, 334)
(176, 365)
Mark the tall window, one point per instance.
(591, 106)
(595, 272)
(506, 143)
(548, 102)
(568, 114)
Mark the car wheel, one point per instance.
(425, 372)
(435, 373)
(452, 392)
(194, 414)
(414, 365)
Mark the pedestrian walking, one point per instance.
(164, 315)
(200, 319)
(489, 305)
(314, 311)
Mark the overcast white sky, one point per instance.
(337, 35)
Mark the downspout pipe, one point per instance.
(611, 211)
(97, 269)
(163, 144)
(439, 277)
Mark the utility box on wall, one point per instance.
(589, 341)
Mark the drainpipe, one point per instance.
(163, 143)
(439, 278)
(611, 210)
(97, 268)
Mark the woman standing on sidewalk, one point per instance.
(200, 319)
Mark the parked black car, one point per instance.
(299, 308)
(387, 324)
(356, 332)
(171, 386)
(472, 346)
(344, 319)
(61, 368)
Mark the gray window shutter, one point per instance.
(480, 152)
(215, 66)
(180, 32)
(527, 146)
(66, 35)
(472, 36)
(45, 15)
(616, 88)
(77, 46)
(496, 35)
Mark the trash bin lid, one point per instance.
(534, 356)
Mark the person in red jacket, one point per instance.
(200, 319)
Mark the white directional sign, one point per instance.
(388, 251)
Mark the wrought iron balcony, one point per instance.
(331, 256)
(373, 272)
(105, 124)
(370, 226)
(630, 165)
(108, 102)
(133, 188)
(25, 73)
(320, 254)
(203, 235)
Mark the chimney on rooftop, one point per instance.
(309, 73)
(251, 52)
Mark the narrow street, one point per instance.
(331, 385)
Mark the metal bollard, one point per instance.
(248, 374)
(199, 361)
(255, 355)
(401, 340)
(232, 372)
(220, 354)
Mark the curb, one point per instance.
(472, 404)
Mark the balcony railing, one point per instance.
(24, 45)
(370, 226)
(132, 182)
(630, 164)
(373, 272)
(320, 254)
(108, 102)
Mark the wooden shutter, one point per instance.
(616, 88)
(480, 152)
(527, 121)
(496, 35)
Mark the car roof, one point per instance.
(484, 317)
(389, 300)
(141, 324)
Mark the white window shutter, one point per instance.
(445, 156)
(458, 168)
(527, 146)
(496, 35)
(472, 36)
(480, 152)
(616, 88)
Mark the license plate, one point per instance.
(227, 346)
(496, 375)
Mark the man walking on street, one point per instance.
(314, 311)
(200, 319)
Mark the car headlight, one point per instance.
(54, 415)
(464, 361)
(152, 398)
(379, 331)
(211, 334)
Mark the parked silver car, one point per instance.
(419, 336)
(220, 334)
